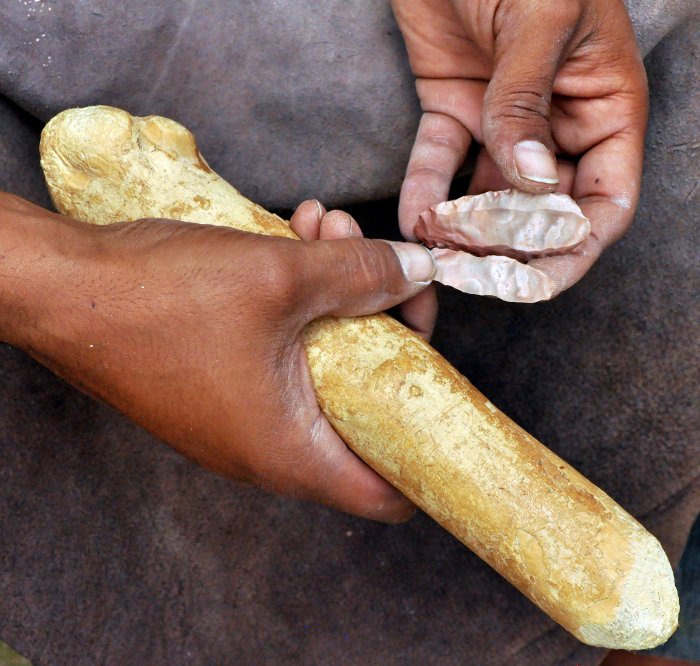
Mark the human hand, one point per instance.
(194, 332)
(526, 80)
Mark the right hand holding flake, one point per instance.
(480, 241)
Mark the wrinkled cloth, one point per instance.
(114, 549)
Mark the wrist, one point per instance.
(38, 250)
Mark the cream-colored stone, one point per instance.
(399, 405)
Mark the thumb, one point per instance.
(529, 48)
(358, 276)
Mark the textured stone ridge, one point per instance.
(118, 167)
(502, 277)
(511, 223)
(515, 226)
(399, 405)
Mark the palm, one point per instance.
(461, 52)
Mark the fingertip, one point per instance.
(533, 187)
(400, 512)
(417, 262)
(535, 165)
(338, 224)
(487, 177)
(306, 220)
(418, 194)
(342, 481)
(355, 229)
(439, 150)
(382, 502)
(419, 313)
(561, 272)
(526, 165)
(360, 276)
(321, 210)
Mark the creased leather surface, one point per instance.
(115, 550)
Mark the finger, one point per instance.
(420, 312)
(357, 276)
(461, 99)
(302, 455)
(338, 224)
(439, 150)
(336, 477)
(306, 220)
(567, 176)
(606, 188)
(516, 111)
(487, 177)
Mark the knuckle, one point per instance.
(146, 228)
(278, 278)
(557, 15)
(437, 140)
(521, 100)
(516, 104)
(374, 266)
(427, 172)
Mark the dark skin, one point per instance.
(194, 332)
(176, 325)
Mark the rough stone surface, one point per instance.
(502, 277)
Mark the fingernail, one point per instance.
(535, 162)
(347, 222)
(319, 208)
(417, 261)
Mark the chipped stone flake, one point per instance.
(502, 277)
(510, 223)
(503, 228)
